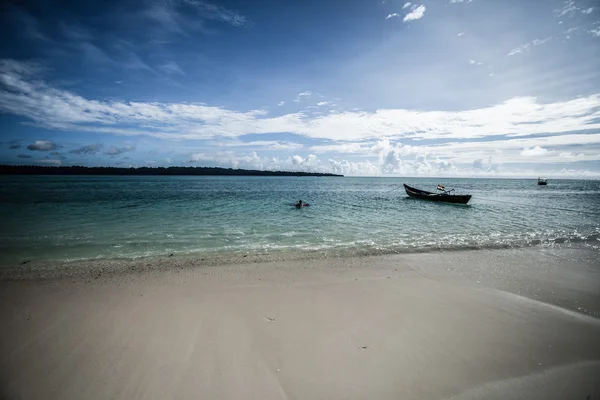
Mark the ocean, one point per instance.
(67, 218)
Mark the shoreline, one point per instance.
(498, 324)
(81, 268)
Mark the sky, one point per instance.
(448, 88)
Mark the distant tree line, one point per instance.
(194, 171)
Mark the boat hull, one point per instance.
(444, 198)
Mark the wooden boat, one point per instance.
(445, 197)
(543, 182)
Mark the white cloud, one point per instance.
(415, 14)
(587, 10)
(304, 95)
(572, 156)
(525, 47)
(88, 149)
(392, 15)
(461, 34)
(538, 42)
(595, 32)
(215, 12)
(460, 1)
(281, 103)
(506, 150)
(478, 164)
(42, 145)
(53, 108)
(114, 151)
(323, 103)
(297, 160)
(310, 163)
(534, 151)
(450, 159)
(473, 62)
(569, 8)
(406, 5)
(517, 50)
(363, 168)
(259, 144)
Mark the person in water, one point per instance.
(299, 204)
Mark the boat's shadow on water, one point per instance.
(437, 203)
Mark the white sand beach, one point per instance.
(494, 324)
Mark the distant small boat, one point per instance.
(444, 197)
(542, 182)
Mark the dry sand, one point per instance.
(500, 324)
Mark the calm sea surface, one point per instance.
(71, 218)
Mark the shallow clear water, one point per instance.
(68, 218)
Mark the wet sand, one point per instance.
(495, 324)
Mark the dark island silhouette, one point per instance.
(192, 171)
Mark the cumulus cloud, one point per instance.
(297, 160)
(507, 150)
(415, 14)
(362, 168)
(406, 5)
(42, 145)
(392, 162)
(281, 103)
(478, 164)
(88, 149)
(393, 15)
(483, 168)
(310, 163)
(231, 160)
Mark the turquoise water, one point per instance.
(72, 218)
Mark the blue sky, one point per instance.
(426, 88)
